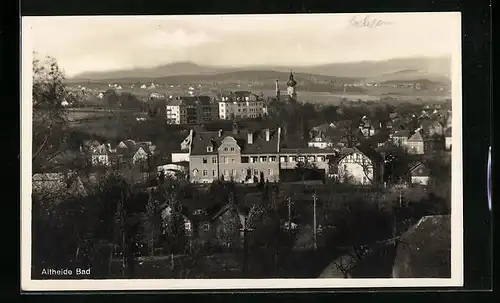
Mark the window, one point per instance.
(214, 159)
(272, 159)
(320, 159)
(225, 172)
(282, 159)
(205, 172)
(204, 160)
(301, 159)
(206, 227)
(187, 226)
(233, 160)
(226, 160)
(262, 159)
(251, 159)
(269, 171)
(214, 173)
(233, 172)
(195, 171)
(210, 149)
(256, 172)
(311, 159)
(232, 148)
(225, 149)
(293, 159)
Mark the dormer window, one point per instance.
(210, 149)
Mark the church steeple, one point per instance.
(291, 83)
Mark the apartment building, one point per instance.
(247, 156)
(191, 110)
(241, 105)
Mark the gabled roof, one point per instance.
(362, 149)
(417, 136)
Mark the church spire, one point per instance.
(291, 83)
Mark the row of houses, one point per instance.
(248, 156)
(416, 141)
(127, 151)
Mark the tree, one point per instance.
(49, 117)
(153, 222)
(304, 168)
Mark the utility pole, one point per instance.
(314, 220)
(289, 214)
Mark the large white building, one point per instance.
(241, 105)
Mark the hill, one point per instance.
(433, 69)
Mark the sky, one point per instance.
(100, 43)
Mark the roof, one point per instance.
(417, 136)
(201, 140)
(363, 149)
(403, 133)
(307, 150)
(425, 250)
(58, 185)
(419, 170)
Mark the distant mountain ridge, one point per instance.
(431, 68)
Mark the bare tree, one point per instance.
(49, 118)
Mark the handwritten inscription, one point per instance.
(368, 22)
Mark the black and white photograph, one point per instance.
(212, 152)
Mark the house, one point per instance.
(358, 165)
(100, 155)
(247, 156)
(240, 155)
(448, 138)
(400, 137)
(419, 174)
(322, 136)
(366, 127)
(215, 223)
(89, 145)
(57, 186)
(241, 105)
(432, 128)
(415, 144)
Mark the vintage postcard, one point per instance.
(215, 152)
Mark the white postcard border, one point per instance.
(27, 284)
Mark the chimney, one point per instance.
(268, 134)
(220, 133)
(250, 137)
(235, 128)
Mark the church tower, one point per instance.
(291, 84)
(278, 93)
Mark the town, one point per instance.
(236, 184)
